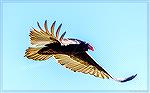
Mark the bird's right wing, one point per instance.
(82, 62)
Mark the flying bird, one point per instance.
(69, 52)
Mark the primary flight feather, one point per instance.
(69, 52)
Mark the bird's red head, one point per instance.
(90, 47)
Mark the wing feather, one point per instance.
(76, 64)
(32, 53)
(42, 37)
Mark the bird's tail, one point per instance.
(124, 79)
(32, 53)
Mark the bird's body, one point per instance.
(57, 48)
(72, 53)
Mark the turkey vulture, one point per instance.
(69, 52)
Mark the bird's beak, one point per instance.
(91, 47)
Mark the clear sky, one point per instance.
(118, 32)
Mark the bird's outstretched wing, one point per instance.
(82, 62)
(40, 38)
(44, 37)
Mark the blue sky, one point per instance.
(118, 32)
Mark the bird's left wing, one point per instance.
(43, 37)
(82, 62)
(40, 38)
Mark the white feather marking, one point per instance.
(68, 41)
(37, 46)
